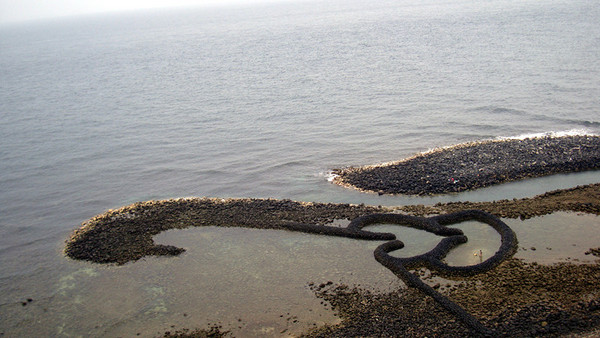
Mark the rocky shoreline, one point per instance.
(475, 165)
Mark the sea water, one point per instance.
(262, 101)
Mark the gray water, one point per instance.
(102, 111)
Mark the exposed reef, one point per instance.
(475, 165)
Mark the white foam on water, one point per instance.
(571, 132)
(329, 175)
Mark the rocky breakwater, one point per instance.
(475, 165)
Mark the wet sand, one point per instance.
(475, 165)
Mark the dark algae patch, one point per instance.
(476, 165)
(593, 251)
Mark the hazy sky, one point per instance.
(20, 10)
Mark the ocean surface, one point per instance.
(101, 111)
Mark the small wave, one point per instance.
(328, 175)
(585, 123)
(287, 165)
(504, 111)
(496, 110)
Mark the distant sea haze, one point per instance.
(100, 112)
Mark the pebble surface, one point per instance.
(475, 165)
